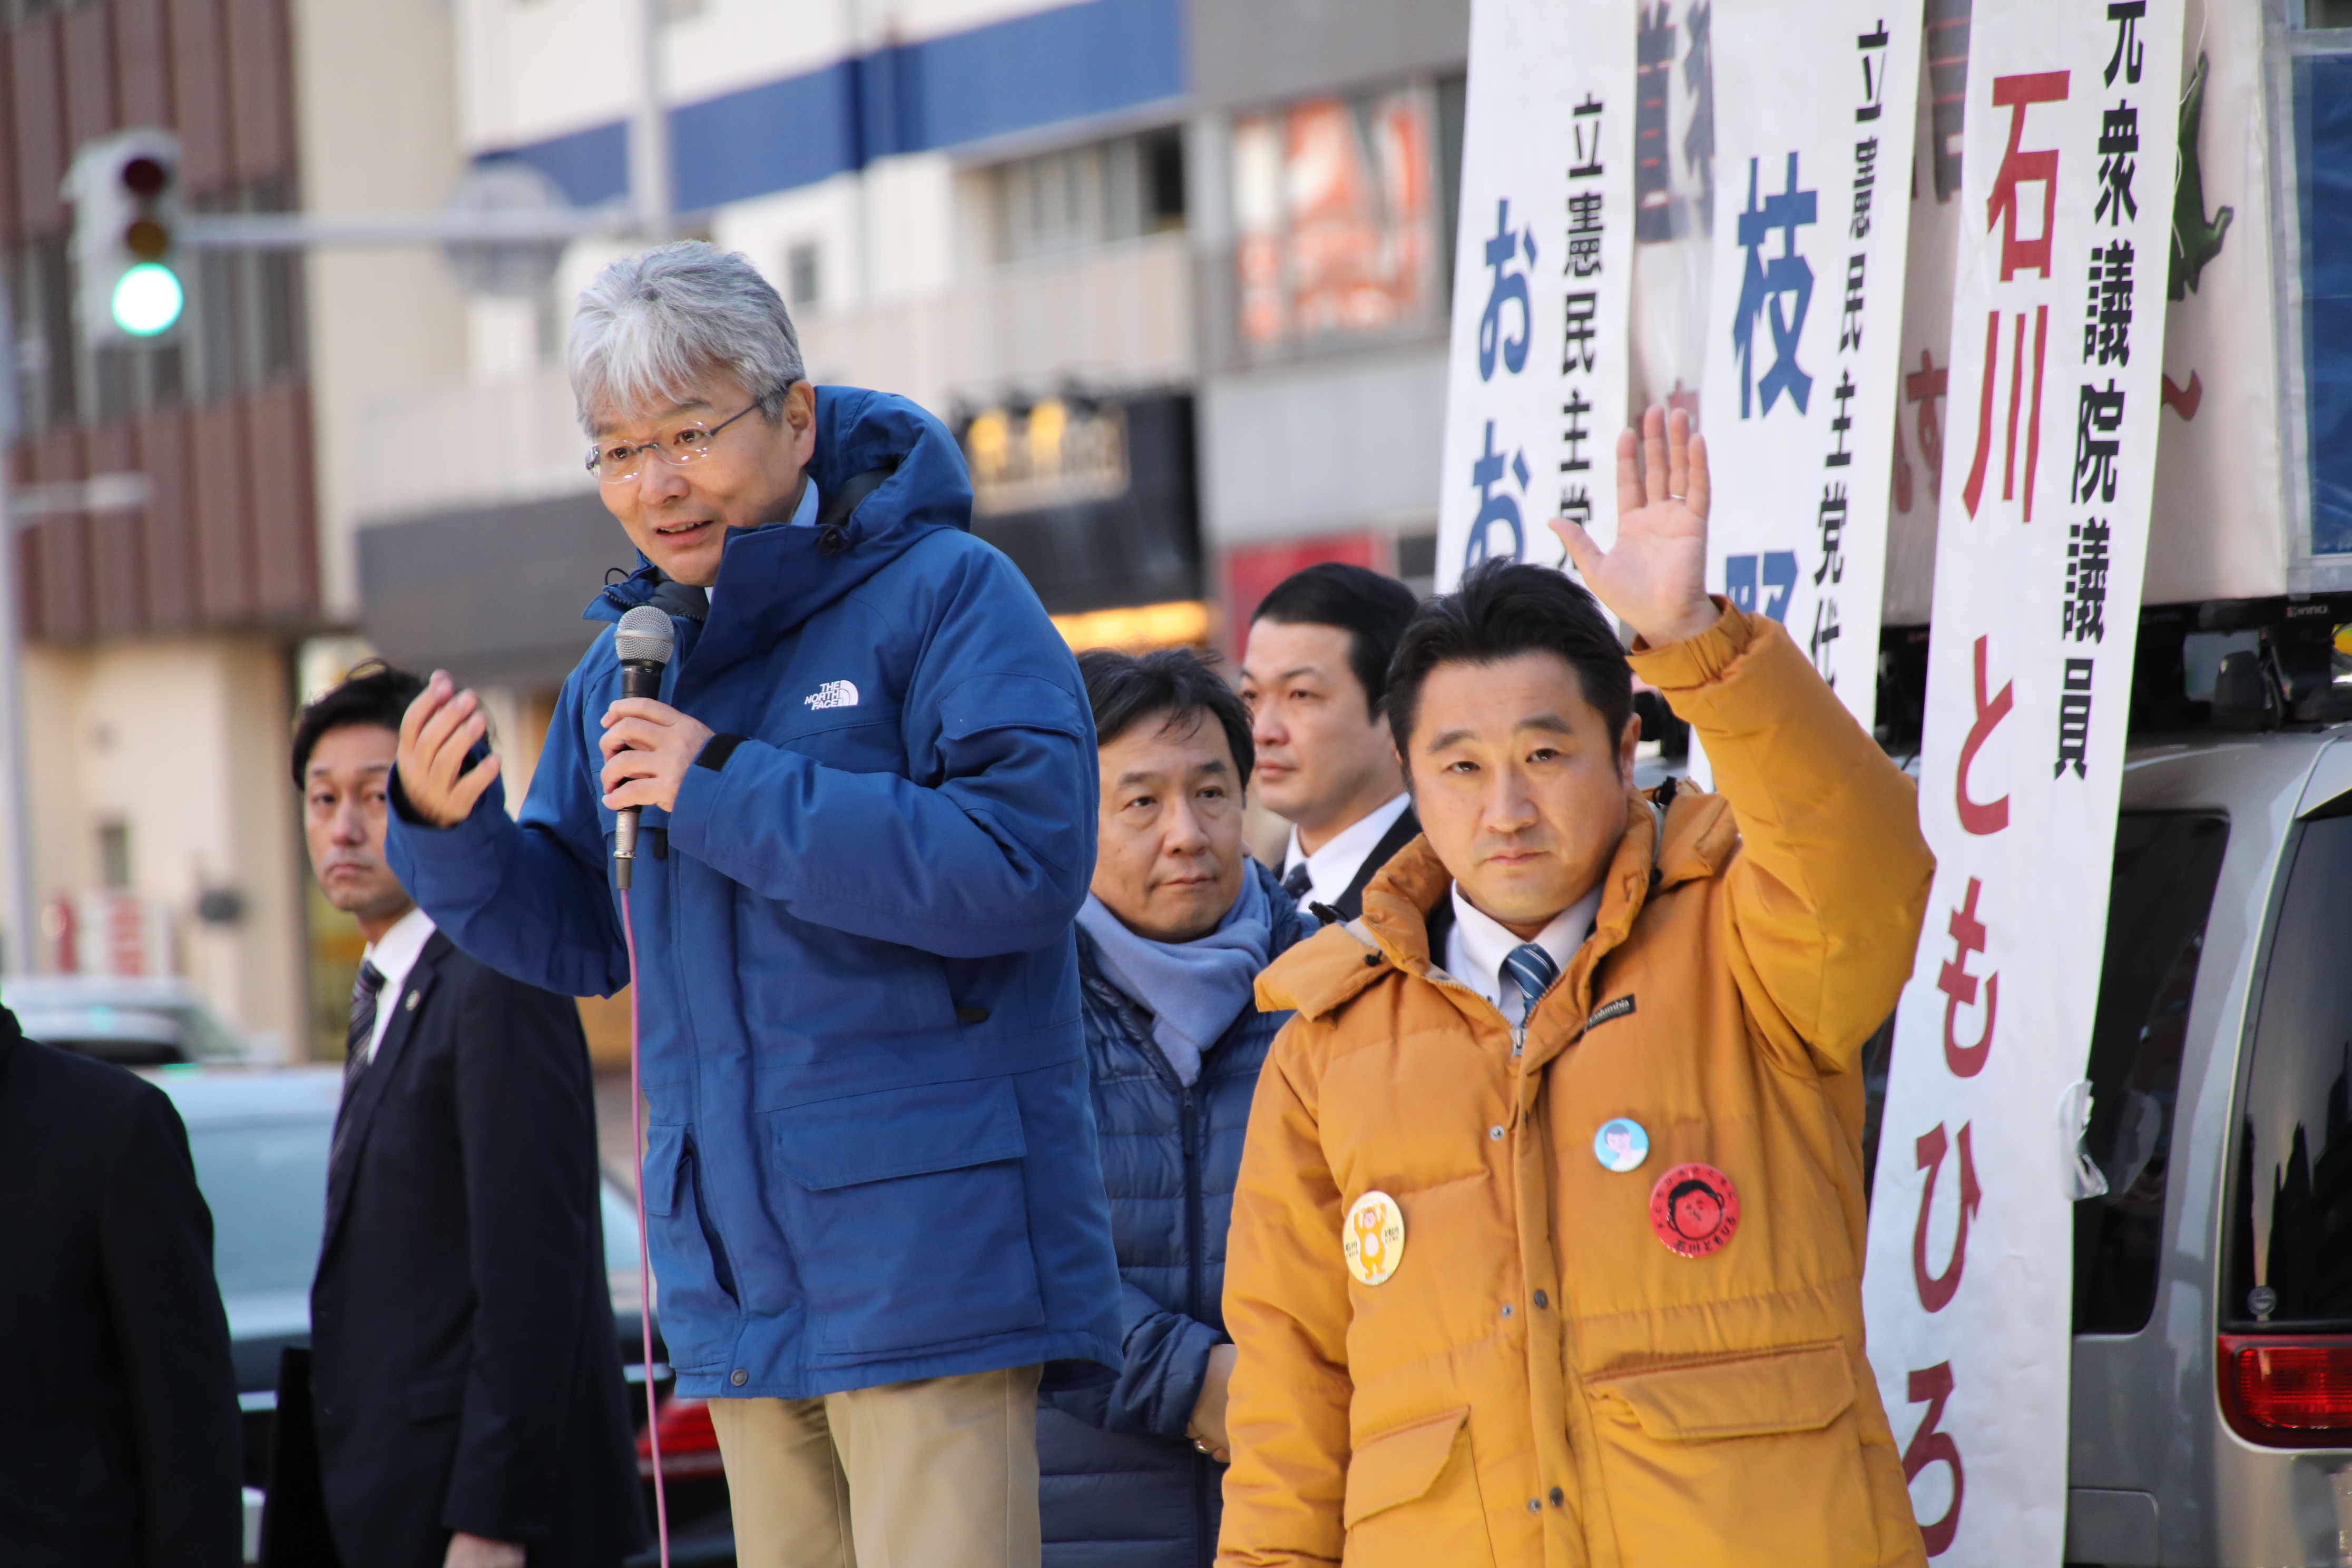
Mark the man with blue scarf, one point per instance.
(873, 1195)
(1171, 939)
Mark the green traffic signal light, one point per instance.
(147, 298)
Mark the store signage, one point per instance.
(1052, 453)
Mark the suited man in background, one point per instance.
(119, 1439)
(1314, 677)
(468, 1399)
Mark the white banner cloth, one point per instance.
(2048, 459)
(1814, 106)
(1537, 376)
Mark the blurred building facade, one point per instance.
(1326, 151)
(156, 687)
(1175, 271)
(164, 637)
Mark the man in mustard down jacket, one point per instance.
(1579, 1282)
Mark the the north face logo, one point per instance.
(834, 694)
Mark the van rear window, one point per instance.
(2166, 866)
(2288, 1258)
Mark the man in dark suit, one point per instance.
(119, 1442)
(1315, 677)
(467, 1398)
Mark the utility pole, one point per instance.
(15, 779)
(649, 164)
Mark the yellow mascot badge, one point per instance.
(1373, 1238)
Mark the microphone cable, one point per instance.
(645, 1250)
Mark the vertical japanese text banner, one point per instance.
(2049, 468)
(1813, 114)
(1535, 375)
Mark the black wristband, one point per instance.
(717, 749)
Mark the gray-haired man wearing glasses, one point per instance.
(875, 1206)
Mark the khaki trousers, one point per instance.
(939, 1473)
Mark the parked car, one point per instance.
(260, 1140)
(134, 1021)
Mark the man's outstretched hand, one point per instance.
(1654, 580)
(440, 727)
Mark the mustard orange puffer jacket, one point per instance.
(1542, 1381)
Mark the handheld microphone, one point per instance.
(644, 642)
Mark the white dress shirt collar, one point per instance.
(1331, 868)
(804, 515)
(395, 955)
(1476, 946)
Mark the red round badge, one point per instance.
(1695, 1209)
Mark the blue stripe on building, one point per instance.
(1034, 70)
(1072, 62)
(589, 166)
(767, 138)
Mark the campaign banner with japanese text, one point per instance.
(2049, 463)
(1537, 378)
(1814, 121)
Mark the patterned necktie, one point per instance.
(1533, 972)
(364, 990)
(1297, 882)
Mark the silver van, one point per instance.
(2212, 1369)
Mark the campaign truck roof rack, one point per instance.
(2233, 664)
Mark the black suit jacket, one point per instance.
(1402, 832)
(463, 1373)
(119, 1434)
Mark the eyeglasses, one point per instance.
(619, 462)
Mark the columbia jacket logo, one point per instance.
(1608, 1010)
(834, 694)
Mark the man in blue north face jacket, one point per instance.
(874, 1203)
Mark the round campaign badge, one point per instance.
(1621, 1145)
(1695, 1209)
(1372, 1240)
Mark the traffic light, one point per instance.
(125, 191)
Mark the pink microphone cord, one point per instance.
(645, 1259)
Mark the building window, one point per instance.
(47, 349)
(803, 276)
(1337, 218)
(114, 854)
(1059, 203)
(2323, 167)
(246, 313)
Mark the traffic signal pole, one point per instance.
(648, 213)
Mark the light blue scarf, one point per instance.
(1193, 990)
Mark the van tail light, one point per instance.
(2288, 1391)
(689, 1444)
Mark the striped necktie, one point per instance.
(1532, 970)
(365, 991)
